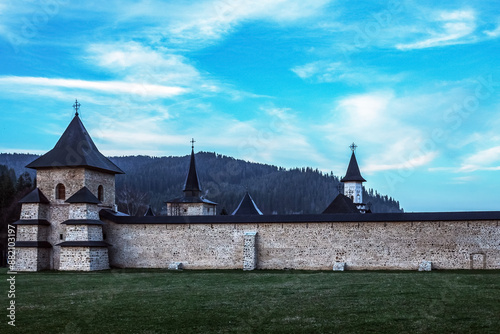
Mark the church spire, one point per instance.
(192, 185)
(353, 173)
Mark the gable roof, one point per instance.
(247, 206)
(353, 173)
(192, 184)
(75, 148)
(83, 195)
(341, 204)
(36, 196)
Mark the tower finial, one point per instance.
(76, 106)
(353, 147)
(192, 143)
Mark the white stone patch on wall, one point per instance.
(250, 251)
(339, 266)
(425, 266)
(175, 266)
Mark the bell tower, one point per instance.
(353, 181)
(75, 181)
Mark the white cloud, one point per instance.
(380, 122)
(211, 20)
(108, 87)
(493, 33)
(447, 28)
(325, 71)
(409, 164)
(482, 160)
(136, 62)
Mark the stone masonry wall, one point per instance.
(84, 211)
(99, 258)
(83, 233)
(72, 178)
(366, 245)
(58, 214)
(32, 233)
(84, 258)
(34, 211)
(94, 179)
(26, 259)
(192, 209)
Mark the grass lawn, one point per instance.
(160, 301)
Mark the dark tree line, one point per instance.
(224, 180)
(12, 189)
(276, 190)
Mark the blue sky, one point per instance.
(415, 84)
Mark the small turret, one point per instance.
(353, 182)
(192, 203)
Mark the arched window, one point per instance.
(100, 193)
(60, 191)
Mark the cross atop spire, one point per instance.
(76, 106)
(353, 147)
(192, 143)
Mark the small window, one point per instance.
(100, 193)
(60, 191)
(60, 236)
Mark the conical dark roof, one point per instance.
(36, 196)
(83, 195)
(341, 204)
(192, 185)
(247, 207)
(75, 148)
(353, 173)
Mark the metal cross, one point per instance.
(192, 143)
(76, 106)
(353, 147)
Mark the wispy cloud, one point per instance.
(324, 71)
(446, 28)
(482, 160)
(109, 87)
(135, 62)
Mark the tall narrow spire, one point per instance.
(353, 173)
(192, 185)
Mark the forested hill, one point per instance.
(153, 180)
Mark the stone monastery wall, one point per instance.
(307, 245)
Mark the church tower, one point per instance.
(192, 203)
(60, 227)
(353, 182)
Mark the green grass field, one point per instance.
(160, 301)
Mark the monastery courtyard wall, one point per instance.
(461, 244)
